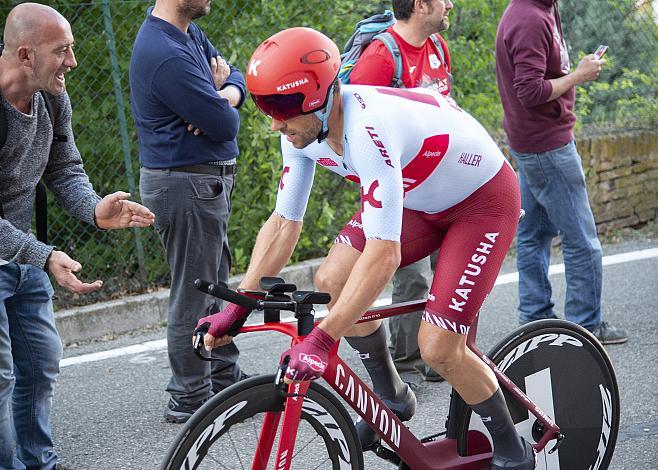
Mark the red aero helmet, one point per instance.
(291, 72)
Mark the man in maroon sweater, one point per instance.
(537, 91)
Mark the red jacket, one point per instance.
(421, 66)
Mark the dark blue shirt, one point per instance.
(171, 84)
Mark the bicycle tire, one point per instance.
(565, 370)
(226, 430)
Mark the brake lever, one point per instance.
(281, 385)
(559, 438)
(198, 344)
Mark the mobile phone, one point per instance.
(600, 51)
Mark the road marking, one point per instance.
(156, 345)
(510, 278)
(607, 261)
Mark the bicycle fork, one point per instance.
(294, 395)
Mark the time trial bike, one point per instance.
(557, 379)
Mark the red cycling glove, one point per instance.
(308, 359)
(221, 322)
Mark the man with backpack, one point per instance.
(37, 142)
(424, 61)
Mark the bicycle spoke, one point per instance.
(240, 440)
(230, 436)
(217, 461)
(321, 464)
(305, 446)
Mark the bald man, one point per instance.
(38, 53)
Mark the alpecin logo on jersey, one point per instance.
(286, 169)
(326, 162)
(472, 271)
(354, 223)
(380, 145)
(425, 162)
(293, 84)
(369, 197)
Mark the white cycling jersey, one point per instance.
(412, 148)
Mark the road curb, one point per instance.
(147, 310)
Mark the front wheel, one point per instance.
(568, 374)
(224, 433)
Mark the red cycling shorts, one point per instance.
(473, 237)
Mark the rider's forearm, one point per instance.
(274, 245)
(370, 275)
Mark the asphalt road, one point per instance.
(108, 412)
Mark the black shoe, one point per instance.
(433, 376)
(244, 376)
(529, 460)
(217, 389)
(404, 410)
(180, 412)
(608, 334)
(550, 317)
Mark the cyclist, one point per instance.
(430, 176)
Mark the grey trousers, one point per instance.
(411, 282)
(191, 215)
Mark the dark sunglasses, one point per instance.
(280, 107)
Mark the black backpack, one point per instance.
(41, 204)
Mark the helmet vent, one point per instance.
(315, 57)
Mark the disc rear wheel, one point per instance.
(568, 374)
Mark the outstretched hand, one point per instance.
(63, 268)
(116, 211)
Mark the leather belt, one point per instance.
(216, 170)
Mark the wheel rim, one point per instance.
(228, 439)
(566, 375)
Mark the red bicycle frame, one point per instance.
(438, 454)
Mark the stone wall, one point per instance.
(622, 178)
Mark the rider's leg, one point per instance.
(446, 352)
(369, 341)
(480, 231)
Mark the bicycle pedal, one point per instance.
(386, 453)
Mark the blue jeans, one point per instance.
(30, 350)
(554, 197)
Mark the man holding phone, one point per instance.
(537, 90)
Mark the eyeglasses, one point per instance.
(280, 107)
